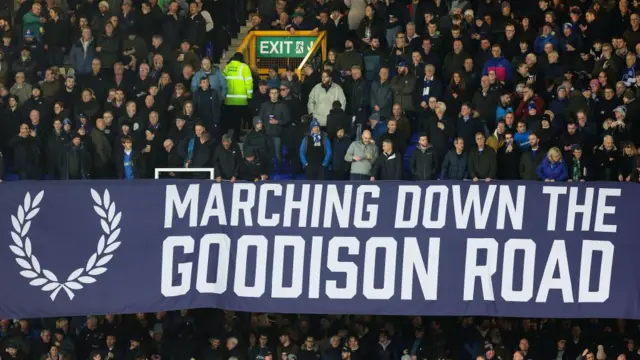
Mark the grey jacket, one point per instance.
(368, 154)
(381, 95)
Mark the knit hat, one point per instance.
(622, 110)
(66, 121)
(249, 152)
(28, 33)
(313, 124)
(532, 105)
(374, 116)
(104, 3)
(469, 12)
(505, 4)
(567, 26)
(257, 120)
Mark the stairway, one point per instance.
(235, 44)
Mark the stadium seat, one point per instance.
(9, 176)
(281, 176)
(414, 138)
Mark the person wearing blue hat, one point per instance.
(315, 152)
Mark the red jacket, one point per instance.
(523, 108)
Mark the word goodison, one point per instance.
(445, 248)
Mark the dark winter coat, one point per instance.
(388, 167)
(483, 164)
(424, 163)
(227, 162)
(454, 166)
(81, 155)
(529, 162)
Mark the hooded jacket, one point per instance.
(260, 142)
(82, 156)
(321, 101)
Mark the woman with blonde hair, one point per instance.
(553, 168)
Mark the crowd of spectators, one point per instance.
(422, 89)
(207, 334)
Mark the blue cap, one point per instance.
(402, 64)
(66, 121)
(28, 33)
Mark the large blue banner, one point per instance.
(439, 248)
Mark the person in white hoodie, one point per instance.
(322, 97)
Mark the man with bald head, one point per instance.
(362, 155)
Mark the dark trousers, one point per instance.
(359, 177)
(314, 172)
(55, 56)
(340, 175)
(236, 116)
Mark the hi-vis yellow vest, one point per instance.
(239, 83)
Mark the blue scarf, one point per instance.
(316, 137)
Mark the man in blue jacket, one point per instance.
(216, 79)
(83, 52)
(315, 152)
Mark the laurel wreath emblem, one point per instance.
(46, 279)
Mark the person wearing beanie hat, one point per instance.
(315, 152)
(227, 159)
(260, 142)
(377, 126)
(75, 162)
(252, 169)
(239, 92)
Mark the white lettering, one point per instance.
(390, 247)
(508, 265)
(574, 208)
(443, 195)
(401, 206)
(184, 269)
(245, 206)
(240, 286)
(214, 207)
(301, 205)
(190, 202)
(265, 189)
(278, 290)
(371, 209)
(472, 202)
(342, 207)
(219, 286)
(314, 267)
(557, 259)
(554, 192)
(412, 260)
(484, 272)
(606, 268)
(604, 209)
(507, 205)
(347, 267)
